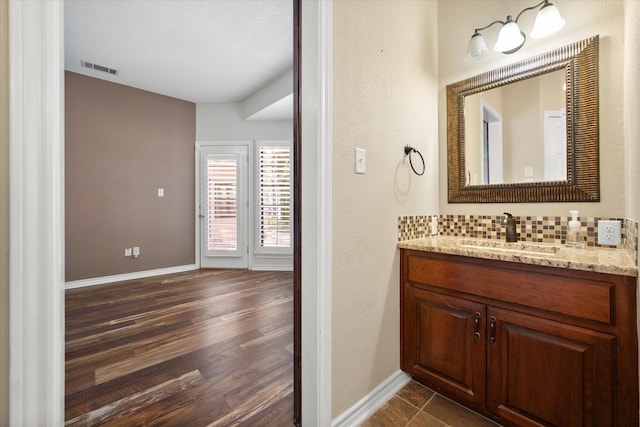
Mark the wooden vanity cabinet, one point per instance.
(545, 371)
(523, 344)
(442, 346)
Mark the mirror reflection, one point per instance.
(516, 133)
(571, 171)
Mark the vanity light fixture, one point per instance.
(511, 38)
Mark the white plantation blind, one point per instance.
(274, 170)
(222, 201)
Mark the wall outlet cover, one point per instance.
(127, 252)
(609, 233)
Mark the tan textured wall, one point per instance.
(585, 18)
(522, 119)
(473, 126)
(632, 106)
(473, 130)
(384, 96)
(121, 145)
(4, 214)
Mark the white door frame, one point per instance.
(36, 213)
(317, 113)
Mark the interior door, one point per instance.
(223, 206)
(555, 145)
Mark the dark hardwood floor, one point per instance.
(203, 348)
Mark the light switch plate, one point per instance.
(160, 192)
(609, 233)
(360, 160)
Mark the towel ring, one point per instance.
(407, 152)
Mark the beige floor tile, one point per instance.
(422, 419)
(455, 415)
(395, 413)
(415, 393)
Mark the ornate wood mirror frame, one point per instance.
(580, 63)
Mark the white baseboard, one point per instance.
(129, 276)
(272, 268)
(373, 401)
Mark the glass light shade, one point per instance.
(510, 37)
(477, 45)
(548, 21)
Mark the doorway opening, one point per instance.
(492, 146)
(237, 220)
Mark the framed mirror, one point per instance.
(527, 132)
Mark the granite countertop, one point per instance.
(601, 260)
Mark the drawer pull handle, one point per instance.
(476, 326)
(492, 330)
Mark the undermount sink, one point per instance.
(514, 248)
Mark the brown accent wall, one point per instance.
(121, 145)
(4, 213)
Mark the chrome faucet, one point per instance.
(510, 222)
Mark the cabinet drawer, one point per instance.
(574, 296)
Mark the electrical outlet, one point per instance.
(136, 251)
(434, 225)
(609, 233)
(127, 252)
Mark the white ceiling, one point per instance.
(197, 50)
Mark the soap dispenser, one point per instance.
(574, 235)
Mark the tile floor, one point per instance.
(415, 405)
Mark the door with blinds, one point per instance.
(224, 206)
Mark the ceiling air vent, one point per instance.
(98, 67)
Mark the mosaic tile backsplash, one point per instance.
(539, 229)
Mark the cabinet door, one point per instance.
(445, 344)
(542, 372)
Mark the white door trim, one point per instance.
(36, 214)
(317, 113)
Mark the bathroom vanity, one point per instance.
(526, 334)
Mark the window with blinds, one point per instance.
(274, 196)
(222, 195)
